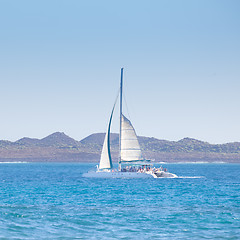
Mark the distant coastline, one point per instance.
(58, 147)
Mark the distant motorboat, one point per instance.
(131, 163)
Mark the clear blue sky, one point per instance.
(60, 66)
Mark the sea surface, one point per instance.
(54, 201)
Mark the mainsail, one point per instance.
(130, 148)
(106, 159)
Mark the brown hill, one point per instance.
(60, 147)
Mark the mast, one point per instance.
(120, 130)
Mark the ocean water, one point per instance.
(54, 201)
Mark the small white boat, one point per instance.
(131, 163)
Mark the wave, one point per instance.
(190, 177)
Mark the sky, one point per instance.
(60, 64)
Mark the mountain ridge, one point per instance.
(60, 147)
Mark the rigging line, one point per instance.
(117, 97)
(124, 97)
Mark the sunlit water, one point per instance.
(54, 201)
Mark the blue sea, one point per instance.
(54, 201)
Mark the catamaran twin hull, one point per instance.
(131, 161)
(129, 175)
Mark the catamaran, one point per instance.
(131, 163)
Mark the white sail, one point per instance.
(106, 160)
(130, 148)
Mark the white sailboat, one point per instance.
(131, 163)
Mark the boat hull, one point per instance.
(116, 175)
(128, 175)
